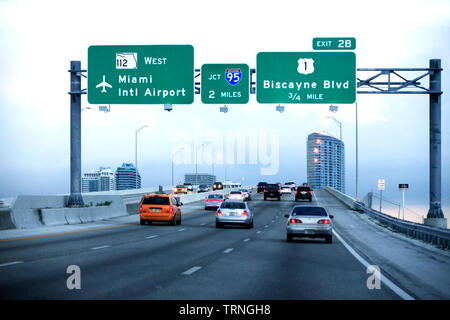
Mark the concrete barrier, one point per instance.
(53, 217)
(345, 199)
(37, 211)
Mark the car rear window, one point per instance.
(215, 196)
(309, 211)
(156, 200)
(235, 192)
(180, 186)
(233, 205)
(304, 189)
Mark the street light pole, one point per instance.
(135, 152)
(356, 105)
(173, 155)
(339, 124)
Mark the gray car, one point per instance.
(234, 212)
(309, 221)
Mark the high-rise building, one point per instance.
(126, 177)
(102, 180)
(202, 178)
(325, 161)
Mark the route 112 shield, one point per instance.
(233, 76)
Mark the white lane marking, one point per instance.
(152, 237)
(258, 231)
(182, 229)
(266, 226)
(247, 239)
(191, 270)
(228, 250)
(315, 198)
(10, 263)
(273, 220)
(101, 247)
(385, 280)
(202, 224)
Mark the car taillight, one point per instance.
(140, 209)
(219, 213)
(245, 214)
(170, 210)
(324, 221)
(294, 221)
(310, 192)
(296, 192)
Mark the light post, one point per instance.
(173, 155)
(135, 152)
(356, 115)
(339, 124)
(196, 151)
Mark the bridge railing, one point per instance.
(437, 236)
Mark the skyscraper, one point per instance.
(102, 180)
(126, 177)
(325, 161)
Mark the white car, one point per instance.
(286, 189)
(236, 195)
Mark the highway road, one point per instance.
(194, 260)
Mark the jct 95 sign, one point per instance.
(225, 83)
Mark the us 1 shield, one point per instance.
(233, 76)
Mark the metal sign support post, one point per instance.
(435, 210)
(381, 198)
(403, 203)
(75, 197)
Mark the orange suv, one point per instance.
(160, 207)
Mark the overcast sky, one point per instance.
(40, 38)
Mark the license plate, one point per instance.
(155, 210)
(309, 231)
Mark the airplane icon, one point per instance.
(104, 84)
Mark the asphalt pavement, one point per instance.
(120, 259)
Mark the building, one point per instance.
(202, 178)
(325, 161)
(126, 177)
(102, 180)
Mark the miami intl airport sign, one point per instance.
(146, 74)
(306, 77)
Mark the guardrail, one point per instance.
(437, 236)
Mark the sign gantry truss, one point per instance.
(375, 80)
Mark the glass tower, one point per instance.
(325, 161)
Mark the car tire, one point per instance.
(310, 199)
(265, 198)
(279, 198)
(206, 208)
(219, 225)
(142, 222)
(329, 239)
(174, 221)
(289, 238)
(179, 220)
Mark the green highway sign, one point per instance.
(225, 83)
(306, 77)
(140, 74)
(334, 43)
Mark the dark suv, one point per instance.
(303, 192)
(261, 186)
(272, 191)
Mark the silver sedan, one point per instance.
(309, 221)
(234, 212)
